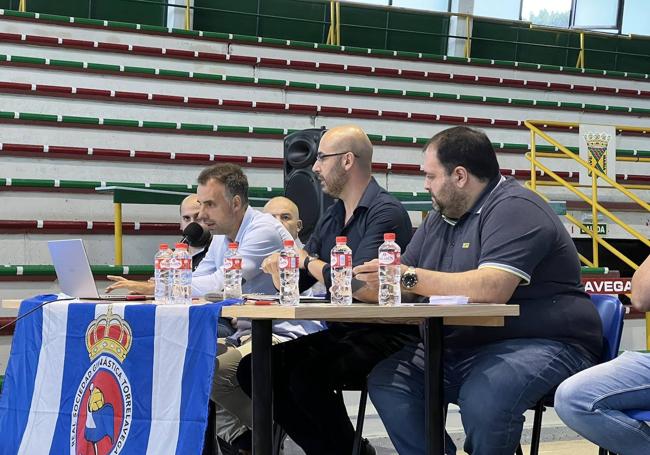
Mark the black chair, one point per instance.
(611, 313)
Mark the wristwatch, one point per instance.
(308, 259)
(409, 278)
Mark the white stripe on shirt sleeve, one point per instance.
(507, 268)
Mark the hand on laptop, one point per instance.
(134, 287)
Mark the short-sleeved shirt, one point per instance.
(377, 213)
(511, 228)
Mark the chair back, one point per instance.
(611, 313)
(641, 415)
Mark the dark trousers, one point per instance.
(308, 371)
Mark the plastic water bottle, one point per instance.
(161, 274)
(389, 271)
(341, 272)
(289, 274)
(232, 263)
(180, 266)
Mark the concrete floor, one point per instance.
(576, 447)
(557, 439)
(579, 447)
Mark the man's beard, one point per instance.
(454, 206)
(336, 182)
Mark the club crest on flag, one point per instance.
(102, 407)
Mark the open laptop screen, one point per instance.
(72, 268)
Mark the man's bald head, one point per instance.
(350, 138)
(285, 211)
(189, 210)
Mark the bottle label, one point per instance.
(340, 260)
(232, 263)
(186, 264)
(174, 263)
(288, 262)
(388, 258)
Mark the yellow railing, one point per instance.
(596, 208)
(188, 22)
(468, 36)
(22, 6)
(581, 55)
(334, 34)
(591, 201)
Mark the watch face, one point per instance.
(409, 280)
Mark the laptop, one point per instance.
(73, 271)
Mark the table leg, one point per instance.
(262, 388)
(433, 387)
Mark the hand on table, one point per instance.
(270, 266)
(368, 272)
(134, 287)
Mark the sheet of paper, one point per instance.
(448, 300)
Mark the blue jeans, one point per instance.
(591, 403)
(493, 385)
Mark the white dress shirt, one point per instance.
(259, 235)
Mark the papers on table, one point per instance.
(448, 300)
(441, 300)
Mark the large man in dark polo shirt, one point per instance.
(307, 372)
(494, 241)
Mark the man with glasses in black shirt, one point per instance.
(309, 370)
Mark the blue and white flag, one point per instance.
(99, 379)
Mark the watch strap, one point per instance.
(306, 262)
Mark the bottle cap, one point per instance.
(163, 246)
(182, 246)
(389, 237)
(233, 245)
(341, 240)
(288, 243)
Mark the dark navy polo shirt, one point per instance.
(513, 229)
(378, 212)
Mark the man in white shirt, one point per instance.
(223, 199)
(223, 195)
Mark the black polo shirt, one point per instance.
(377, 213)
(513, 229)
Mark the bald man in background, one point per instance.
(286, 212)
(310, 370)
(189, 211)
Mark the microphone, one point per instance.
(195, 235)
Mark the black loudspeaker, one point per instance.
(300, 183)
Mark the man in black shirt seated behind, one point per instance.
(310, 369)
(189, 211)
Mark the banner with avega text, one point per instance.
(100, 379)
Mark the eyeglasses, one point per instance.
(320, 156)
